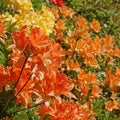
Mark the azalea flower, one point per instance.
(64, 110)
(112, 105)
(95, 25)
(2, 28)
(66, 11)
(58, 3)
(113, 81)
(19, 5)
(43, 19)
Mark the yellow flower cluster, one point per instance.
(43, 19)
(19, 5)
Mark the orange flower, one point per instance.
(81, 22)
(66, 11)
(60, 36)
(64, 110)
(91, 61)
(73, 65)
(84, 88)
(4, 77)
(107, 44)
(2, 29)
(115, 51)
(72, 42)
(25, 95)
(82, 32)
(54, 84)
(111, 105)
(113, 81)
(87, 80)
(95, 25)
(55, 12)
(20, 38)
(38, 37)
(60, 25)
(95, 92)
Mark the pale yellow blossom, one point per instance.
(43, 19)
(19, 5)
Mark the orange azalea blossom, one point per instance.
(86, 47)
(2, 28)
(45, 80)
(87, 80)
(26, 93)
(111, 105)
(95, 25)
(4, 77)
(31, 42)
(38, 37)
(36, 74)
(81, 22)
(91, 61)
(55, 12)
(84, 88)
(60, 26)
(20, 38)
(115, 51)
(96, 91)
(89, 77)
(97, 46)
(66, 11)
(113, 81)
(55, 84)
(72, 42)
(91, 48)
(64, 110)
(82, 32)
(73, 64)
(60, 36)
(107, 44)
(57, 53)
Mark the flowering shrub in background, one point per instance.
(58, 66)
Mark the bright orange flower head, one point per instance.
(60, 25)
(2, 29)
(55, 84)
(65, 110)
(20, 38)
(95, 92)
(81, 22)
(55, 12)
(38, 37)
(66, 11)
(113, 81)
(95, 25)
(3, 77)
(111, 105)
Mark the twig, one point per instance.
(28, 107)
(23, 86)
(10, 96)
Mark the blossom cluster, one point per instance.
(61, 72)
(43, 18)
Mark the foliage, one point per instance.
(73, 68)
(105, 11)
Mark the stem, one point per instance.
(28, 107)
(20, 73)
(23, 86)
(11, 97)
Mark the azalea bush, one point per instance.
(59, 61)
